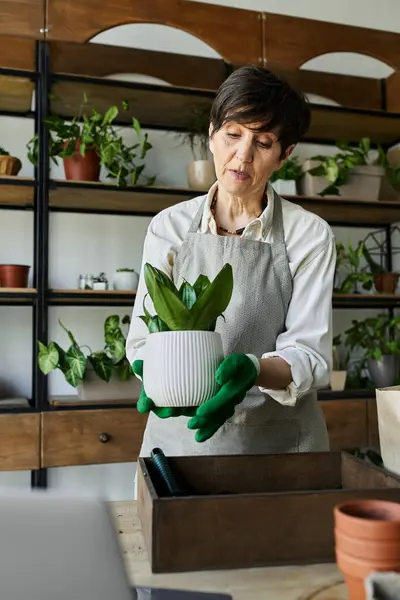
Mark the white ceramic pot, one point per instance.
(201, 175)
(338, 380)
(364, 183)
(99, 285)
(179, 367)
(94, 388)
(285, 188)
(125, 280)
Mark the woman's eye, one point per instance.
(233, 135)
(267, 145)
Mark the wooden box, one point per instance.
(252, 511)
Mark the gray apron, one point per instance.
(253, 320)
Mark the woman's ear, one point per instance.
(284, 158)
(210, 139)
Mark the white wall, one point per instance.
(94, 243)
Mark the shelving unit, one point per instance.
(56, 73)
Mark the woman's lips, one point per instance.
(239, 175)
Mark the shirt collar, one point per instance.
(263, 222)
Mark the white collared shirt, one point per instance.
(306, 344)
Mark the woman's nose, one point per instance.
(245, 151)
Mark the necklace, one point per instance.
(241, 229)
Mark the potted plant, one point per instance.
(101, 375)
(183, 349)
(91, 141)
(201, 171)
(347, 173)
(339, 366)
(385, 281)
(100, 282)
(285, 180)
(14, 276)
(9, 165)
(390, 162)
(125, 279)
(377, 338)
(350, 260)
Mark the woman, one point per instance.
(277, 333)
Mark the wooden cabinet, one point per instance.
(347, 423)
(19, 441)
(22, 18)
(85, 437)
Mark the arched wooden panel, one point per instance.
(22, 18)
(291, 41)
(234, 33)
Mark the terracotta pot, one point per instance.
(386, 283)
(14, 276)
(82, 168)
(9, 165)
(367, 539)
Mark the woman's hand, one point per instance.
(236, 375)
(145, 404)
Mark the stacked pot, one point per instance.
(367, 540)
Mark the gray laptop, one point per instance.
(64, 547)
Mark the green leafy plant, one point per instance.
(375, 336)
(392, 172)
(336, 168)
(3, 152)
(196, 135)
(350, 260)
(191, 307)
(73, 362)
(290, 171)
(94, 131)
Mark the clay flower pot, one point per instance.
(14, 276)
(386, 283)
(82, 168)
(367, 539)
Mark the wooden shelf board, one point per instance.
(374, 300)
(16, 94)
(156, 106)
(16, 192)
(362, 394)
(104, 198)
(92, 297)
(14, 296)
(169, 107)
(73, 400)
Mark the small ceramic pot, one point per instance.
(82, 168)
(14, 276)
(179, 367)
(285, 187)
(386, 283)
(125, 280)
(383, 372)
(93, 388)
(201, 175)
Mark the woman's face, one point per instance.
(245, 159)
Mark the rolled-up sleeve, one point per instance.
(306, 343)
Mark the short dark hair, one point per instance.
(253, 94)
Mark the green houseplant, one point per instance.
(90, 141)
(347, 173)
(349, 260)
(378, 339)
(285, 180)
(83, 370)
(385, 281)
(183, 349)
(200, 171)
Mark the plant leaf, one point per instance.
(111, 324)
(213, 301)
(47, 357)
(170, 308)
(188, 295)
(77, 364)
(201, 283)
(71, 337)
(124, 371)
(102, 365)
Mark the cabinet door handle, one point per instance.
(104, 438)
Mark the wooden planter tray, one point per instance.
(252, 511)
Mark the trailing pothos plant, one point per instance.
(73, 362)
(193, 307)
(336, 168)
(350, 260)
(91, 130)
(291, 170)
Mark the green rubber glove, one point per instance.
(236, 375)
(145, 404)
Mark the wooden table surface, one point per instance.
(311, 582)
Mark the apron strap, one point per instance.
(198, 218)
(277, 220)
